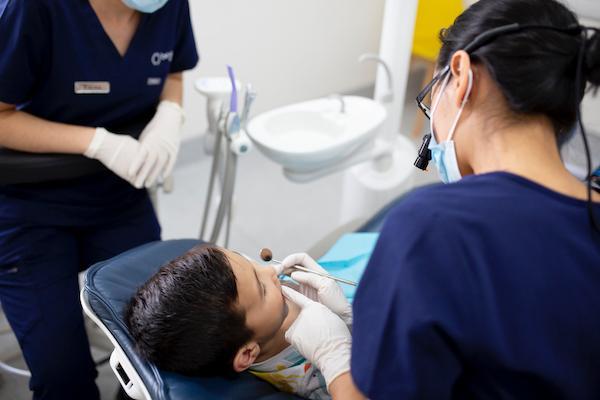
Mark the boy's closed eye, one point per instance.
(261, 286)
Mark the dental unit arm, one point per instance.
(230, 127)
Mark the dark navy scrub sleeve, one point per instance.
(486, 288)
(24, 49)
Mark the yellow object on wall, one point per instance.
(432, 16)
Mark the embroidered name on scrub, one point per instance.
(158, 57)
(92, 87)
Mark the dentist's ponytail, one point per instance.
(592, 61)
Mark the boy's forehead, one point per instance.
(239, 260)
(243, 270)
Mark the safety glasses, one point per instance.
(424, 98)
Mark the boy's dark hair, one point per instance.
(185, 319)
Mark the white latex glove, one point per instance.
(320, 336)
(160, 140)
(116, 152)
(325, 291)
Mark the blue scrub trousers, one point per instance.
(44, 244)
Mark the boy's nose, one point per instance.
(270, 271)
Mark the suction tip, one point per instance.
(266, 254)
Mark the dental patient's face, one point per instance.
(259, 295)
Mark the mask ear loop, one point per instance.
(462, 105)
(436, 103)
(442, 89)
(578, 85)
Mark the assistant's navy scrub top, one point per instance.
(51, 49)
(58, 63)
(488, 288)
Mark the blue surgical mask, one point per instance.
(444, 154)
(145, 6)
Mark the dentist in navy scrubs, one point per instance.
(90, 109)
(488, 286)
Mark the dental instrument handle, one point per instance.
(248, 101)
(335, 278)
(233, 106)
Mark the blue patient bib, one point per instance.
(349, 257)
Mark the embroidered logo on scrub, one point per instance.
(158, 57)
(153, 81)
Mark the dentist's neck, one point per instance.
(527, 148)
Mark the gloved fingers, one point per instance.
(170, 165)
(148, 131)
(309, 292)
(124, 150)
(304, 303)
(149, 163)
(328, 293)
(306, 278)
(155, 171)
(138, 162)
(121, 147)
(301, 259)
(296, 297)
(278, 268)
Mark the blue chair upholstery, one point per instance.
(110, 284)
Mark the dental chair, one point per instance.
(107, 289)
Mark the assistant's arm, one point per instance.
(25, 132)
(173, 89)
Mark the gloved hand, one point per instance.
(116, 152)
(320, 336)
(160, 140)
(325, 291)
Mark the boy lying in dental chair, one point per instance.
(213, 312)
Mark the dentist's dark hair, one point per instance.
(535, 69)
(185, 319)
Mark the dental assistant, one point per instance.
(90, 109)
(488, 286)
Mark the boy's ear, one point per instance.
(246, 356)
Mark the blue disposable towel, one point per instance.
(349, 257)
